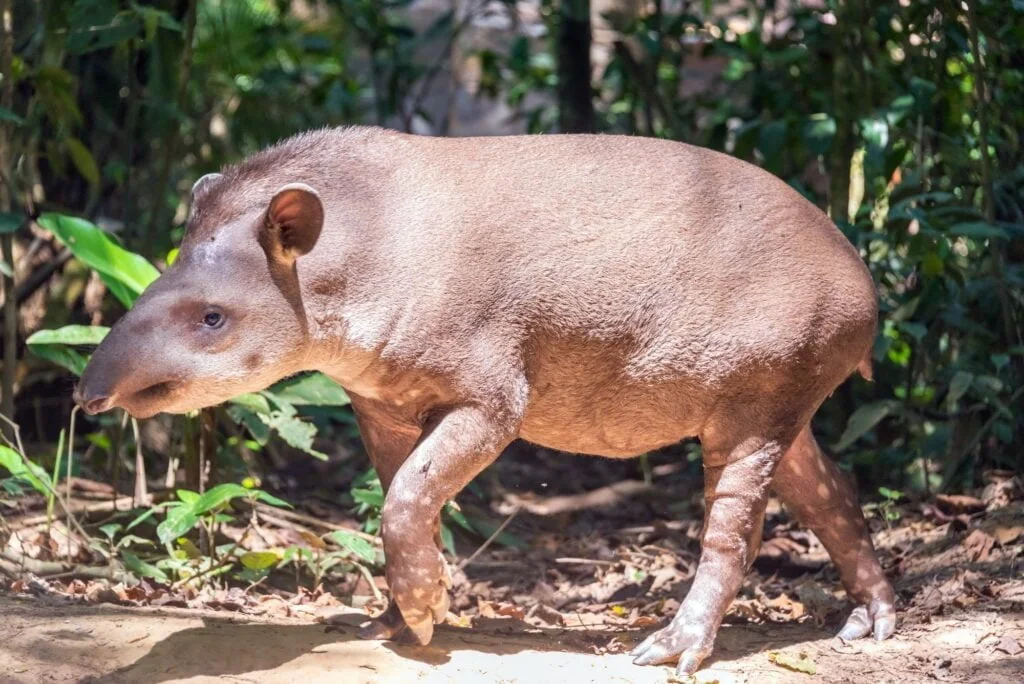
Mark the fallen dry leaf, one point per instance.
(546, 615)
(979, 545)
(313, 540)
(959, 503)
(1009, 646)
(797, 663)
(1007, 534)
(787, 606)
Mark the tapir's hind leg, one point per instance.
(824, 499)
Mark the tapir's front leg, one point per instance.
(455, 447)
(389, 438)
(735, 494)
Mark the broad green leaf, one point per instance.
(180, 520)
(355, 545)
(958, 386)
(370, 497)
(83, 160)
(457, 515)
(270, 499)
(295, 431)
(190, 549)
(259, 560)
(254, 402)
(24, 469)
(486, 528)
(142, 517)
(311, 389)
(120, 291)
(96, 24)
(142, 568)
(110, 529)
(819, 130)
(978, 230)
(447, 539)
(218, 496)
(899, 109)
(10, 222)
(187, 496)
(70, 335)
(862, 420)
(55, 345)
(62, 356)
(99, 251)
(259, 430)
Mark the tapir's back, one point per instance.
(687, 257)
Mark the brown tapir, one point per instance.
(596, 294)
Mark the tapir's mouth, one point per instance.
(150, 400)
(155, 392)
(141, 403)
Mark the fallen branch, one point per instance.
(15, 566)
(597, 498)
(285, 518)
(105, 506)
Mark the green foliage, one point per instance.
(878, 112)
(23, 470)
(125, 273)
(184, 514)
(59, 345)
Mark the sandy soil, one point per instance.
(48, 640)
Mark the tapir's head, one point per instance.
(226, 318)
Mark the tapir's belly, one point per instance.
(602, 432)
(591, 406)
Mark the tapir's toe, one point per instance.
(419, 594)
(690, 646)
(878, 618)
(387, 625)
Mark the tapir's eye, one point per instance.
(213, 319)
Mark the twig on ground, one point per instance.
(597, 498)
(494, 535)
(285, 518)
(15, 566)
(583, 561)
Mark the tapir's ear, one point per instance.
(293, 222)
(203, 184)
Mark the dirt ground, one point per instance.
(603, 559)
(47, 641)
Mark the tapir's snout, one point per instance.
(92, 402)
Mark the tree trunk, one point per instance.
(575, 95)
(6, 183)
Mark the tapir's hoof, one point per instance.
(387, 625)
(878, 618)
(689, 645)
(393, 622)
(421, 622)
(419, 592)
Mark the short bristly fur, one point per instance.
(595, 294)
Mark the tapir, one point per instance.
(595, 294)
